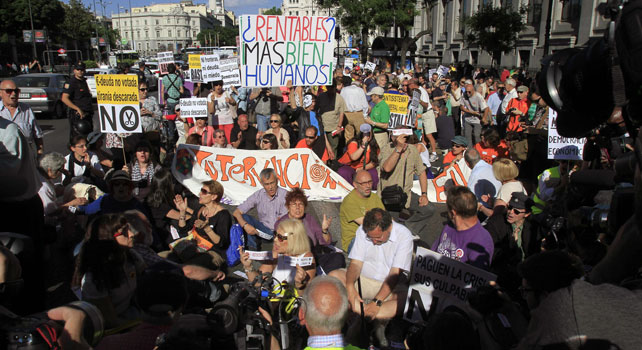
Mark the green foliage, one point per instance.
(494, 29)
(14, 16)
(226, 36)
(91, 64)
(273, 11)
(78, 22)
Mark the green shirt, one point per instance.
(352, 208)
(380, 114)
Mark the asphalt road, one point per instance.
(56, 133)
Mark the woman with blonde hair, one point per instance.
(506, 172)
(290, 243)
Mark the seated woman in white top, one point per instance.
(506, 172)
(81, 165)
(290, 242)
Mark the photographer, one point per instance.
(266, 104)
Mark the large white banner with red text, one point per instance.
(457, 174)
(238, 171)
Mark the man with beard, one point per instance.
(313, 141)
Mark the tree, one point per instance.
(226, 36)
(494, 29)
(273, 11)
(77, 23)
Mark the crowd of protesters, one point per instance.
(142, 248)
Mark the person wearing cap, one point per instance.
(77, 96)
(517, 110)
(476, 112)
(361, 154)
(515, 235)
(379, 116)
(243, 135)
(356, 106)
(457, 151)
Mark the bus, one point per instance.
(223, 51)
(125, 54)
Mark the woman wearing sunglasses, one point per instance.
(106, 269)
(290, 242)
(277, 129)
(268, 141)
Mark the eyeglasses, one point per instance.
(82, 145)
(281, 237)
(11, 91)
(369, 183)
(515, 210)
(310, 137)
(205, 192)
(143, 89)
(220, 136)
(274, 121)
(456, 145)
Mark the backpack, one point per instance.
(236, 241)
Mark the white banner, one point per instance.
(437, 282)
(238, 171)
(164, 60)
(348, 62)
(370, 66)
(118, 104)
(210, 68)
(560, 147)
(230, 72)
(275, 49)
(443, 71)
(458, 173)
(193, 107)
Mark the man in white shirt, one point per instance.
(356, 106)
(381, 251)
(428, 118)
(481, 181)
(511, 93)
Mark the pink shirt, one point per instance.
(206, 140)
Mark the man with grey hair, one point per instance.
(502, 114)
(475, 112)
(270, 205)
(481, 181)
(21, 114)
(50, 167)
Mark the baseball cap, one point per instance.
(378, 90)
(365, 128)
(460, 140)
(119, 175)
(80, 65)
(519, 200)
(522, 88)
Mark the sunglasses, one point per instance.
(265, 141)
(11, 91)
(274, 121)
(281, 237)
(515, 210)
(204, 191)
(456, 145)
(143, 89)
(310, 137)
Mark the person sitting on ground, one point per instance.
(80, 164)
(201, 128)
(142, 169)
(463, 238)
(297, 202)
(276, 128)
(316, 143)
(269, 142)
(50, 168)
(243, 134)
(219, 140)
(193, 139)
(361, 154)
(491, 147)
(506, 172)
(456, 153)
(354, 207)
(210, 225)
(270, 205)
(481, 180)
(290, 242)
(382, 251)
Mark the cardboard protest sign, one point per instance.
(443, 71)
(195, 71)
(210, 68)
(458, 173)
(370, 66)
(398, 110)
(275, 49)
(164, 60)
(437, 282)
(348, 62)
(230, 72)
(118, 104)
(413, 108)
(193, 107)
(560, 147)
(238, 171)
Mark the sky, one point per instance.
(240, 7)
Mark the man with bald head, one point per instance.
(355, 205)
(20, 114)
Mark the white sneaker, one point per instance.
(433, 157)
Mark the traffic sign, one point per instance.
(62, 51)
(124, 41)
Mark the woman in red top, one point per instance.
(362, 153)
(491, 146)
(206, 132)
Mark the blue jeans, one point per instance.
(262, 122)
(253, 242)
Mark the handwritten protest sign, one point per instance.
(560, 147)
(259, 255)
(437, 282)
(230, 72)
(193, 107)
(210, 68)
(118, 104)
(348, 62)
(413, 108)
(398, 110)
(238, 171)
(443, 71)
(275, 49)
(458, 173)
(370, 66)
(164, 60)
(195, 71)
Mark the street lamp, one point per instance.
(131, 24)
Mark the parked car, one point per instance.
(42, 92)
(91, 81)
(152, 78)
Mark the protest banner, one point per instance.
(443, 71)
(370, 66)
(458, 172)
(230, 72)
(164, 60)
(210, 68)
(437, 281)
(195, 71)
(118, 104)
(348, 62)
(275, 49)
(398, 110)
(560, 147)
(238, 171)
(193, 107)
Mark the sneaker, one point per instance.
(433, 157)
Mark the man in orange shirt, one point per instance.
(312, 142)
(491, 146)
(517, 109)
(457, 151)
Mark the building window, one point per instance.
(145, 22)
(125, 23)
(146, 34)
(194, 34)
(169, 33)
(138, 34)
(158, 33)
(147, 46)
(535, 14)
(507, 3)
(156, 22)
(444, 19)
(168, 21)
(571, 10)
(136, 22)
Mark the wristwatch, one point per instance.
(424, 193)
(377, 302)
